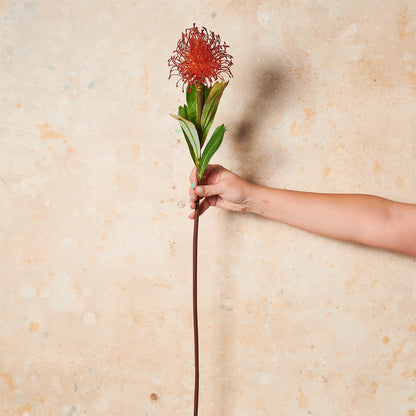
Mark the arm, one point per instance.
(364, 219)
(358, 218)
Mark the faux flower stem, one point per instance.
(200, 93)
(195, 307)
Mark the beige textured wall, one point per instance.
(95, 244)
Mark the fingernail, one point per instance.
(199, 189)
(192, 185)
(192, 197)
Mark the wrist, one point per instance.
(254, 199)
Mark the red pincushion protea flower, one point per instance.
(200, 58)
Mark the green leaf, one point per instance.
(191, 150)
(184, 112)
(210, 107)
(211, 147)
(191, 136)
(192, 101)
(206, 130)
(206, 91)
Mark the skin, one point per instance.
(358, 218)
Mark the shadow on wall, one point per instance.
(269, 93)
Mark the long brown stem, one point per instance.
(200, 97)
(195, 308)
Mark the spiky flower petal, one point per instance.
(200, 58)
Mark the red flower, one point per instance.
(200, 58)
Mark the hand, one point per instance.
(220, 188)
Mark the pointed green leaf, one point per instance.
(191, 136)
(210, 107)
(192, 101)
(207, 128)
(191, 150)
(211, 147)
(184, 112)
(206, 92)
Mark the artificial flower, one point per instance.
(200, 58)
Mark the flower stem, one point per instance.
(200, 99)
(195, 308)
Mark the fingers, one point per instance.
(203, 191)
(209, 190)
(192, 177)
(204, 203)
(193, 195)
(203, 206)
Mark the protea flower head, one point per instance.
(200, 58)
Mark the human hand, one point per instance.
(220, 188)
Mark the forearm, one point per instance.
(364, 219)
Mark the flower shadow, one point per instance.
(270, 87)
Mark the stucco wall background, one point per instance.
(95, 243)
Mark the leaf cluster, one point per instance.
(196, 133)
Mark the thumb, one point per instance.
(208, 190)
